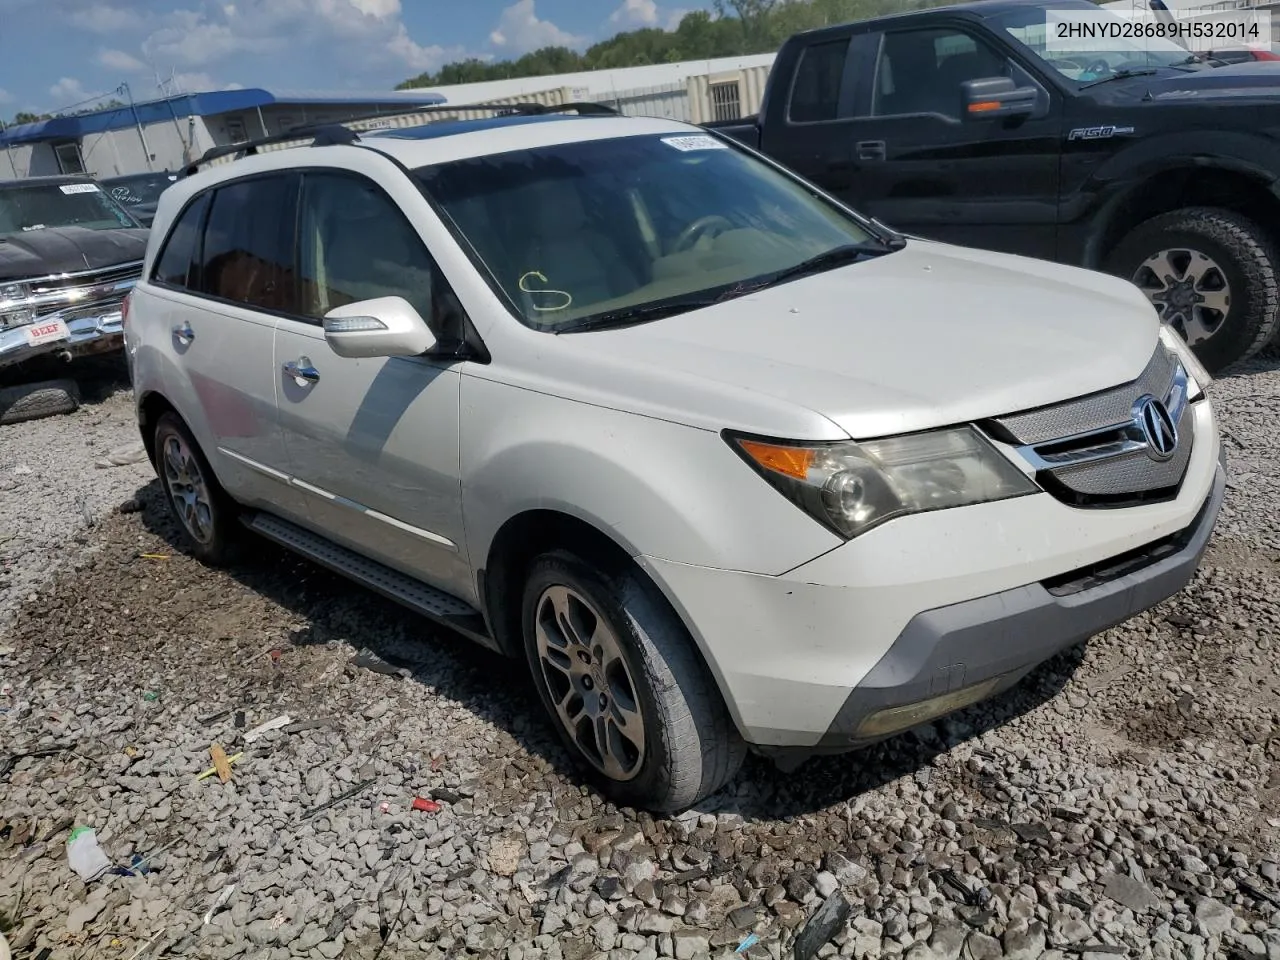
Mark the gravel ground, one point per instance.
(1123, 801)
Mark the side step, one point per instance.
(443, 608)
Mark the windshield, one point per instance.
(38, 206)
(138, 190)
(589, 228)
(1090, 60)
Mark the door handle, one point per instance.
(184, 333)
(870, 149)
(302, 371)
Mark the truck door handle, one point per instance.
(870, 150)
(184, 333)
(302, 371)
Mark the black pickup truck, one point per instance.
(963, 124)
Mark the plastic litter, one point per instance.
(220, 902)
(151, 696)
(749, 941)
(267, 727)
(85, 856)
(425, 805)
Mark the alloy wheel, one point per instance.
(188, 489)
(1189, 290)
(589, 682)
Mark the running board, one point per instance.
(443, 608)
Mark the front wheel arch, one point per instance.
(527, 535)
(1235, 248)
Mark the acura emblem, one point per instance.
(1153, 419)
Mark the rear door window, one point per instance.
(818, 92)
(247, 256)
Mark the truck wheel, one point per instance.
(624, 686)
(204, 511)
(1213, 275)
(32, 401)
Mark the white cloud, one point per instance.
(519, 30)
(119, 60)
(103, 18)
(68, 90)
(360, 34)
(5, 96)
(378, 8)
(635, 13)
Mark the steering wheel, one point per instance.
(694, 231)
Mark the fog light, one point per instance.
(892, 720)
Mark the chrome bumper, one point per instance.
(83, 335)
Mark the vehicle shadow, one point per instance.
(498, 690)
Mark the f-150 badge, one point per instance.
(1097, 133)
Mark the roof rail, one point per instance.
(334, 133)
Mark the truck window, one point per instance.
(815, 94)
(920, 71)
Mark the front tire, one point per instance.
(1212, 274)
(624, 686)
(206, 515)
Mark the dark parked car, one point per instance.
(140, 192)
(69, 254)
(962, 124)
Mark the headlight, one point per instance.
(852, 487)
(1198, 376)
(14, 311)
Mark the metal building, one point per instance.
(163, 134)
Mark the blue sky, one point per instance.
(56, 53)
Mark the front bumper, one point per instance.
(931, 612)
(953, 656)
(83, 335)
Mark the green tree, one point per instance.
(735, 28)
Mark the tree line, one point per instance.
(734, 28)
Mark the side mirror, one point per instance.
(381, 327)
(996, 98)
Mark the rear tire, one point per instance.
(34, 401)
(1212, 274)
(205, 514)
(670, 741)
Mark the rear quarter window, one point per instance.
(178, 255)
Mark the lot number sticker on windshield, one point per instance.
(696, 142)
(79, 188)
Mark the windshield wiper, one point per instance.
(630, 316)
(1122, 75)
(835, 257)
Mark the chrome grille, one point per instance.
(75, 296)
(107, 275)
(1096, 411)
(1131, 473)
(1094, 451)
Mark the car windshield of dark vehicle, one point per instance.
(138, 190)
(613, 231)
(1093, 59)
(27, 207)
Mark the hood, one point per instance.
(50, 250)
(929, 336)
(1251, 80)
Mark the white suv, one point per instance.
(726, 463)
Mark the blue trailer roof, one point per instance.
(202, 105)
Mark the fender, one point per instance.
(1092, 206)
(641, 481)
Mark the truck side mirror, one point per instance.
(996, 98)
